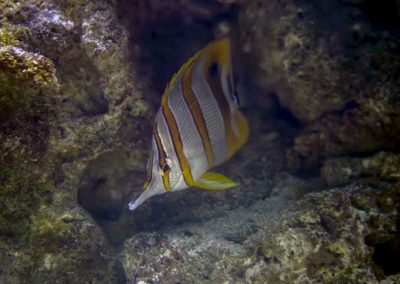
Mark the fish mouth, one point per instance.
(133, 204)
(152, 190)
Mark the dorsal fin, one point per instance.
(176, 75)
(185, 66)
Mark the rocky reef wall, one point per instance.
(318, 201)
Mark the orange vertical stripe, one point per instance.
(162, 158)
(195, 110)
(176, 140)
(216, 88)
(150, 173)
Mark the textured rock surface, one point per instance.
(66, 91)
(328, 237)
(319, 61)
(340, 171)
(369, 128)
(336, 71)
(79, 84)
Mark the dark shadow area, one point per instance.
(91, 100)
(385, 13)
(386, 254)
(107, 183)
(284, 114)
(120, 273)
(164, 35)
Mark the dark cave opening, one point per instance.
(387, 255)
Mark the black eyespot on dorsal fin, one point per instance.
(213, 70)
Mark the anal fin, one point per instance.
(214, 181)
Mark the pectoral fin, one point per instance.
(214, 181)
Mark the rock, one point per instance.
(369, 128)
(334, 71)
(66, 92)
(25, 75)
(292, 187)
(341, 171)
(293, 54)
(320, 238)
(305, 51)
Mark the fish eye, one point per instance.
(165, 166)
(213, 69)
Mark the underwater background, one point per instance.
(319, 194)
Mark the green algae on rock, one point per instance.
(45, 235)
(26, 81)
(24, 75)
(27, 66)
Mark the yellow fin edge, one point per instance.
(214, 181)
(217, 42)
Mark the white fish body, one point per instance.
(197, 127)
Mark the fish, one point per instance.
(197, 127)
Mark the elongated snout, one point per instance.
(149, 192)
